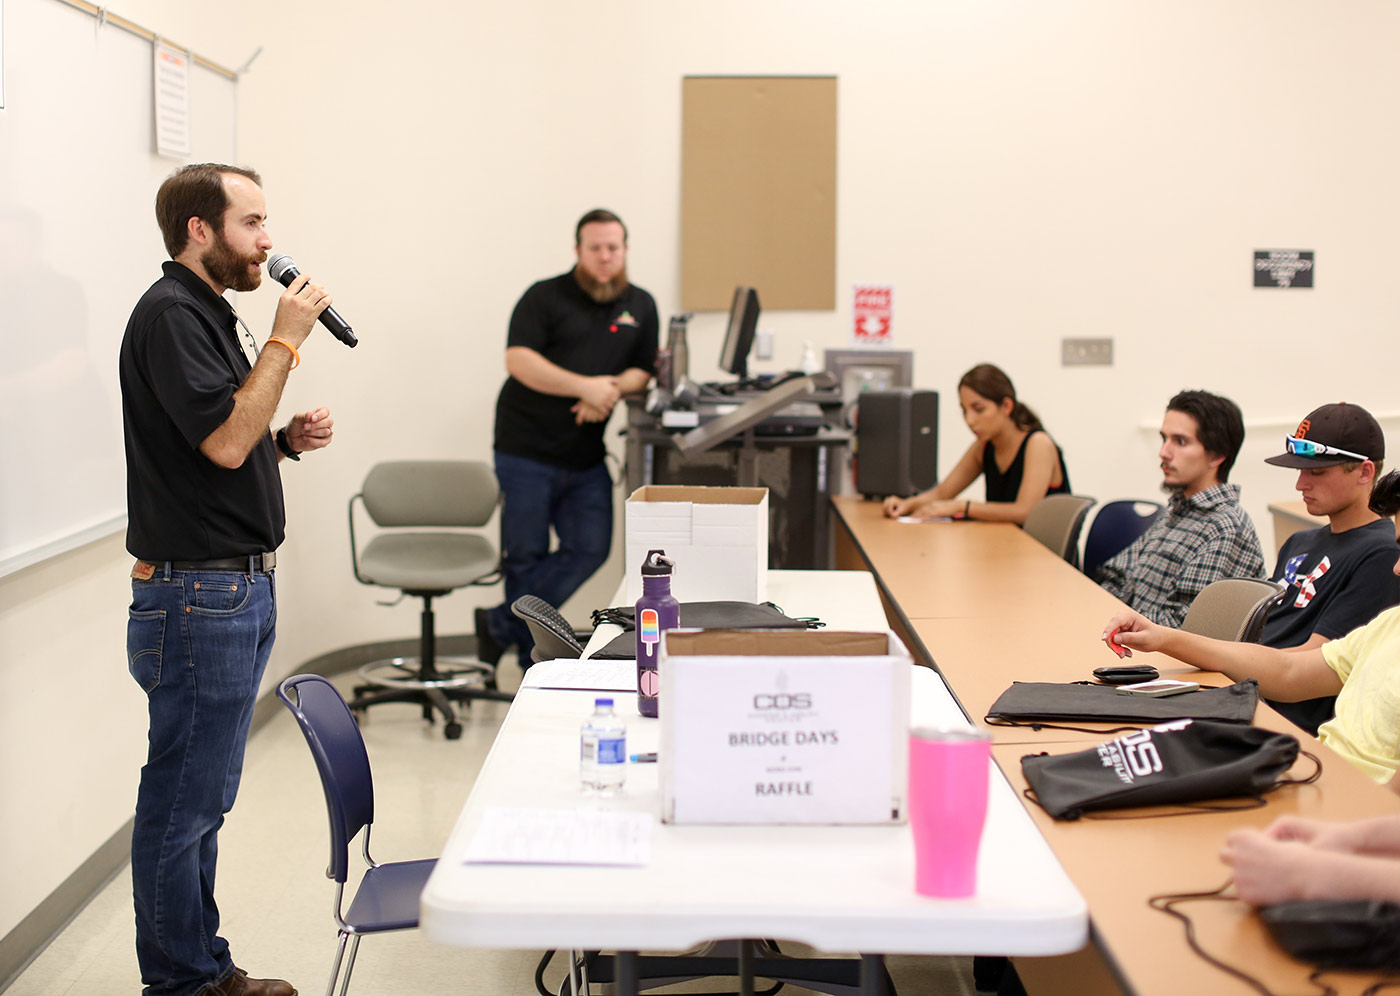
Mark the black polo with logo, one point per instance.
(558, 320)
(180, 365)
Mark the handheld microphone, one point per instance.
(281, 268)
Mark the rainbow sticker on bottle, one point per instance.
(649, 628)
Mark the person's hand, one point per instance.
(310, 430)
(600, 394)
(587, 413)
(1267, 871)
(896, 506)
(1133, 632)
(946, 508)
(297, 310)
(1321, 834)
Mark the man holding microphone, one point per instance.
(205, 517)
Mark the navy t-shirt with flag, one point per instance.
(558, 320)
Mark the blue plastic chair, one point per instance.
(387, 898)
(1116, 526)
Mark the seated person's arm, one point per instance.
(928, 502)
(1041, 463)
(1269, 870)
(1224, 555)
(1285, 675)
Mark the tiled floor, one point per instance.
(276, 902)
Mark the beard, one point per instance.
(601, 291)
(230, 268)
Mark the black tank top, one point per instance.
(1004, 486)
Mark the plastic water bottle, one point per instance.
(602, 750)
(657, 611)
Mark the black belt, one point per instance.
(255, 562)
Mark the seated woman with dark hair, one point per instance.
(1020, 461)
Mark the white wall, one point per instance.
(1020, 171)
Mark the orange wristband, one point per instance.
(296, 357)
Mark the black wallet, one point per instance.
(1126, 674)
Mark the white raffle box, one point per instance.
(718, 538)
(783, 726)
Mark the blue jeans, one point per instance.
(579, 505)
(197, 643)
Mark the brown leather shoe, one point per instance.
(239, 984)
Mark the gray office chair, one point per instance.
(554, 637)
(415, 502)
(1232, 609)
(1056, 521)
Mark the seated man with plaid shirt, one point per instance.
(1204, 535)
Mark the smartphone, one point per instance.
(1159, 688)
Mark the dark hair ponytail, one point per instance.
(1385, 496)
(991, 382)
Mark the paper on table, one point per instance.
(561, 837)
(603, 676)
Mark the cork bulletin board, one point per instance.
(758, 191)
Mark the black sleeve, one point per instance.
(529, 322)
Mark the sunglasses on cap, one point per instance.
(1308, 448)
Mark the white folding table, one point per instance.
(836, 888)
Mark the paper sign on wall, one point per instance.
(873, 315)
(172, 93)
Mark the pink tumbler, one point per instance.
(948, 771)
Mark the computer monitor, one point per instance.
(738, 339)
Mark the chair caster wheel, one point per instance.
(452, 731)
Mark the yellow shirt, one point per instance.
(1366, 729)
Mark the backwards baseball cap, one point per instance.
(1332, 435)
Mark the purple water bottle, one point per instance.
(657, 611)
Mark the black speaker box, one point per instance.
(896, 442)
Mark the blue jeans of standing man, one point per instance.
(578, 504)
(197, 643)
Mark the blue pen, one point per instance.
(643, 758)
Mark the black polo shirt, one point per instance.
(180, 365)
(558, 320)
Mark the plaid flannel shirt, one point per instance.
(1197, 540)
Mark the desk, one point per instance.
(838, 889)
(1049, 631)
(801, 474)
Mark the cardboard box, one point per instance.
(718, 538)
(783, 726)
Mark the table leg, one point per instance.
(872, 975)
(625, 963)
(745, 968)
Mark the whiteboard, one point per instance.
(78, 246)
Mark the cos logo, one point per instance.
(1141, 753)
(783, 700)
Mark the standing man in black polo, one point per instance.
(577, 343)
(205, 515)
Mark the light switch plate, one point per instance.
(1086, 352)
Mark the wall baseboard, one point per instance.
(46, 921)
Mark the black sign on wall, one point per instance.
(1283, 267)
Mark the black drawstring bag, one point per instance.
(1357, 935)
(1040, 704)
(697, 615)
(1333, 935)
(1180, 763)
